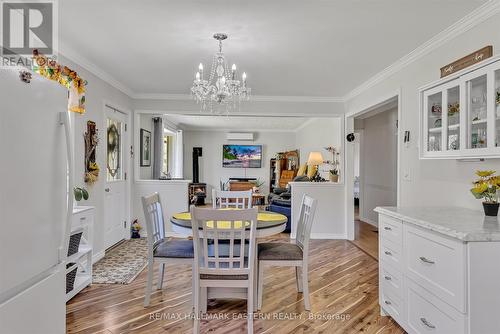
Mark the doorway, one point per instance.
(372, 171)
(116, 187)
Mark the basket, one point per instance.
(74, 243)
(70, 277)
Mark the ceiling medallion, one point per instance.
(221, 88)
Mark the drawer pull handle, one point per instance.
(428, 324)
(387, 253)
(387, 278)
(424, 259)
(83, 218)
(387, 228)
(387, 302)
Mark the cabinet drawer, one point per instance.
(390, 279)
(391, 229)
(437, 264)
(427, 314)
(390, 252)
(392, 305)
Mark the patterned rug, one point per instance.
(122, 264)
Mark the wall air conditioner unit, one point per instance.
(244, 136)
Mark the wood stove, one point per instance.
(197, 190)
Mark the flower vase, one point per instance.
(491, 209)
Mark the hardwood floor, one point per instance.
(343, 287)
(366, 238)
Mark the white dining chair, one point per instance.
(231, 199)
(221, 258)
(161, 249)
(292, 254)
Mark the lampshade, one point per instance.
(315, 158)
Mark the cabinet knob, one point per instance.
(427, 323)
(387, 228)
(426, 260)
(106, 190)
(387, 278)
(387, 302)
(387, 253)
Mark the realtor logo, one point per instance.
(27, 26)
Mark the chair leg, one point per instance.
(305, 287)
(250, 306)
(160, 276)
(298, 277)
(260, 285)
(203, 300)
(149, 284)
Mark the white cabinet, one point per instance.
(460, 114)
(83, 221)
(430, 282)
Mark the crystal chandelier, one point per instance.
(222, 87)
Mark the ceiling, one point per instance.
(314, 48)
(238, 123)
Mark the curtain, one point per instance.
(157, 147)
(179, 156)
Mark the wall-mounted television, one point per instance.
(242, 156)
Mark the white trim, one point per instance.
(79, 60)
(97, 256)
(254, 98)
(317, 236)
(468, 22)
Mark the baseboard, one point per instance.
(368, 221)
(328, 236)
(96, 257)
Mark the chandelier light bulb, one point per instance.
(244, 76)
(197, 76)
(200, 67)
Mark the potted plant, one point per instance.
(486, 188)
(80, 193)
(334, 175)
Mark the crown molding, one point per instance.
(69, 53)
(469, 21)
(254, 98)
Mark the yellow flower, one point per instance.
(485, 173)
(480, 188)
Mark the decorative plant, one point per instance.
(259, 182)
(487, 185)
(80, 193)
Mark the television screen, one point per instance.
(242, 156)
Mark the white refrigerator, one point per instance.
(35, 207)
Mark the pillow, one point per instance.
(311, 171)
(302, 170)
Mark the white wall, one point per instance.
(432, 182)
(211, 170)
(317, 134)
(97, 93)
(379, 160)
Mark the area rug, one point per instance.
(122, 264)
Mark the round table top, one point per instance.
(264, 219)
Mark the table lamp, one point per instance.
(315, 159)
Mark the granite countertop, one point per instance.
(455, 222)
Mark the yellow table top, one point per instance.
(264, 219)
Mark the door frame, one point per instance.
(127, 161)
(349, 153)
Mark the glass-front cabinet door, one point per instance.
(452, 117)
(477, 116)
(497, 107)
(433, 120)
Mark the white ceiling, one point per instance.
(287, 47)
(238, 123)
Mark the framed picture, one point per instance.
(145, 148)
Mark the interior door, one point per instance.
(115, 191)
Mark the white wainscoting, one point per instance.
(330, 219)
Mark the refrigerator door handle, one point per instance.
(64, 118)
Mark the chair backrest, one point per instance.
(231, 199)
(304, 224)
(153, 212)
(219, 240)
